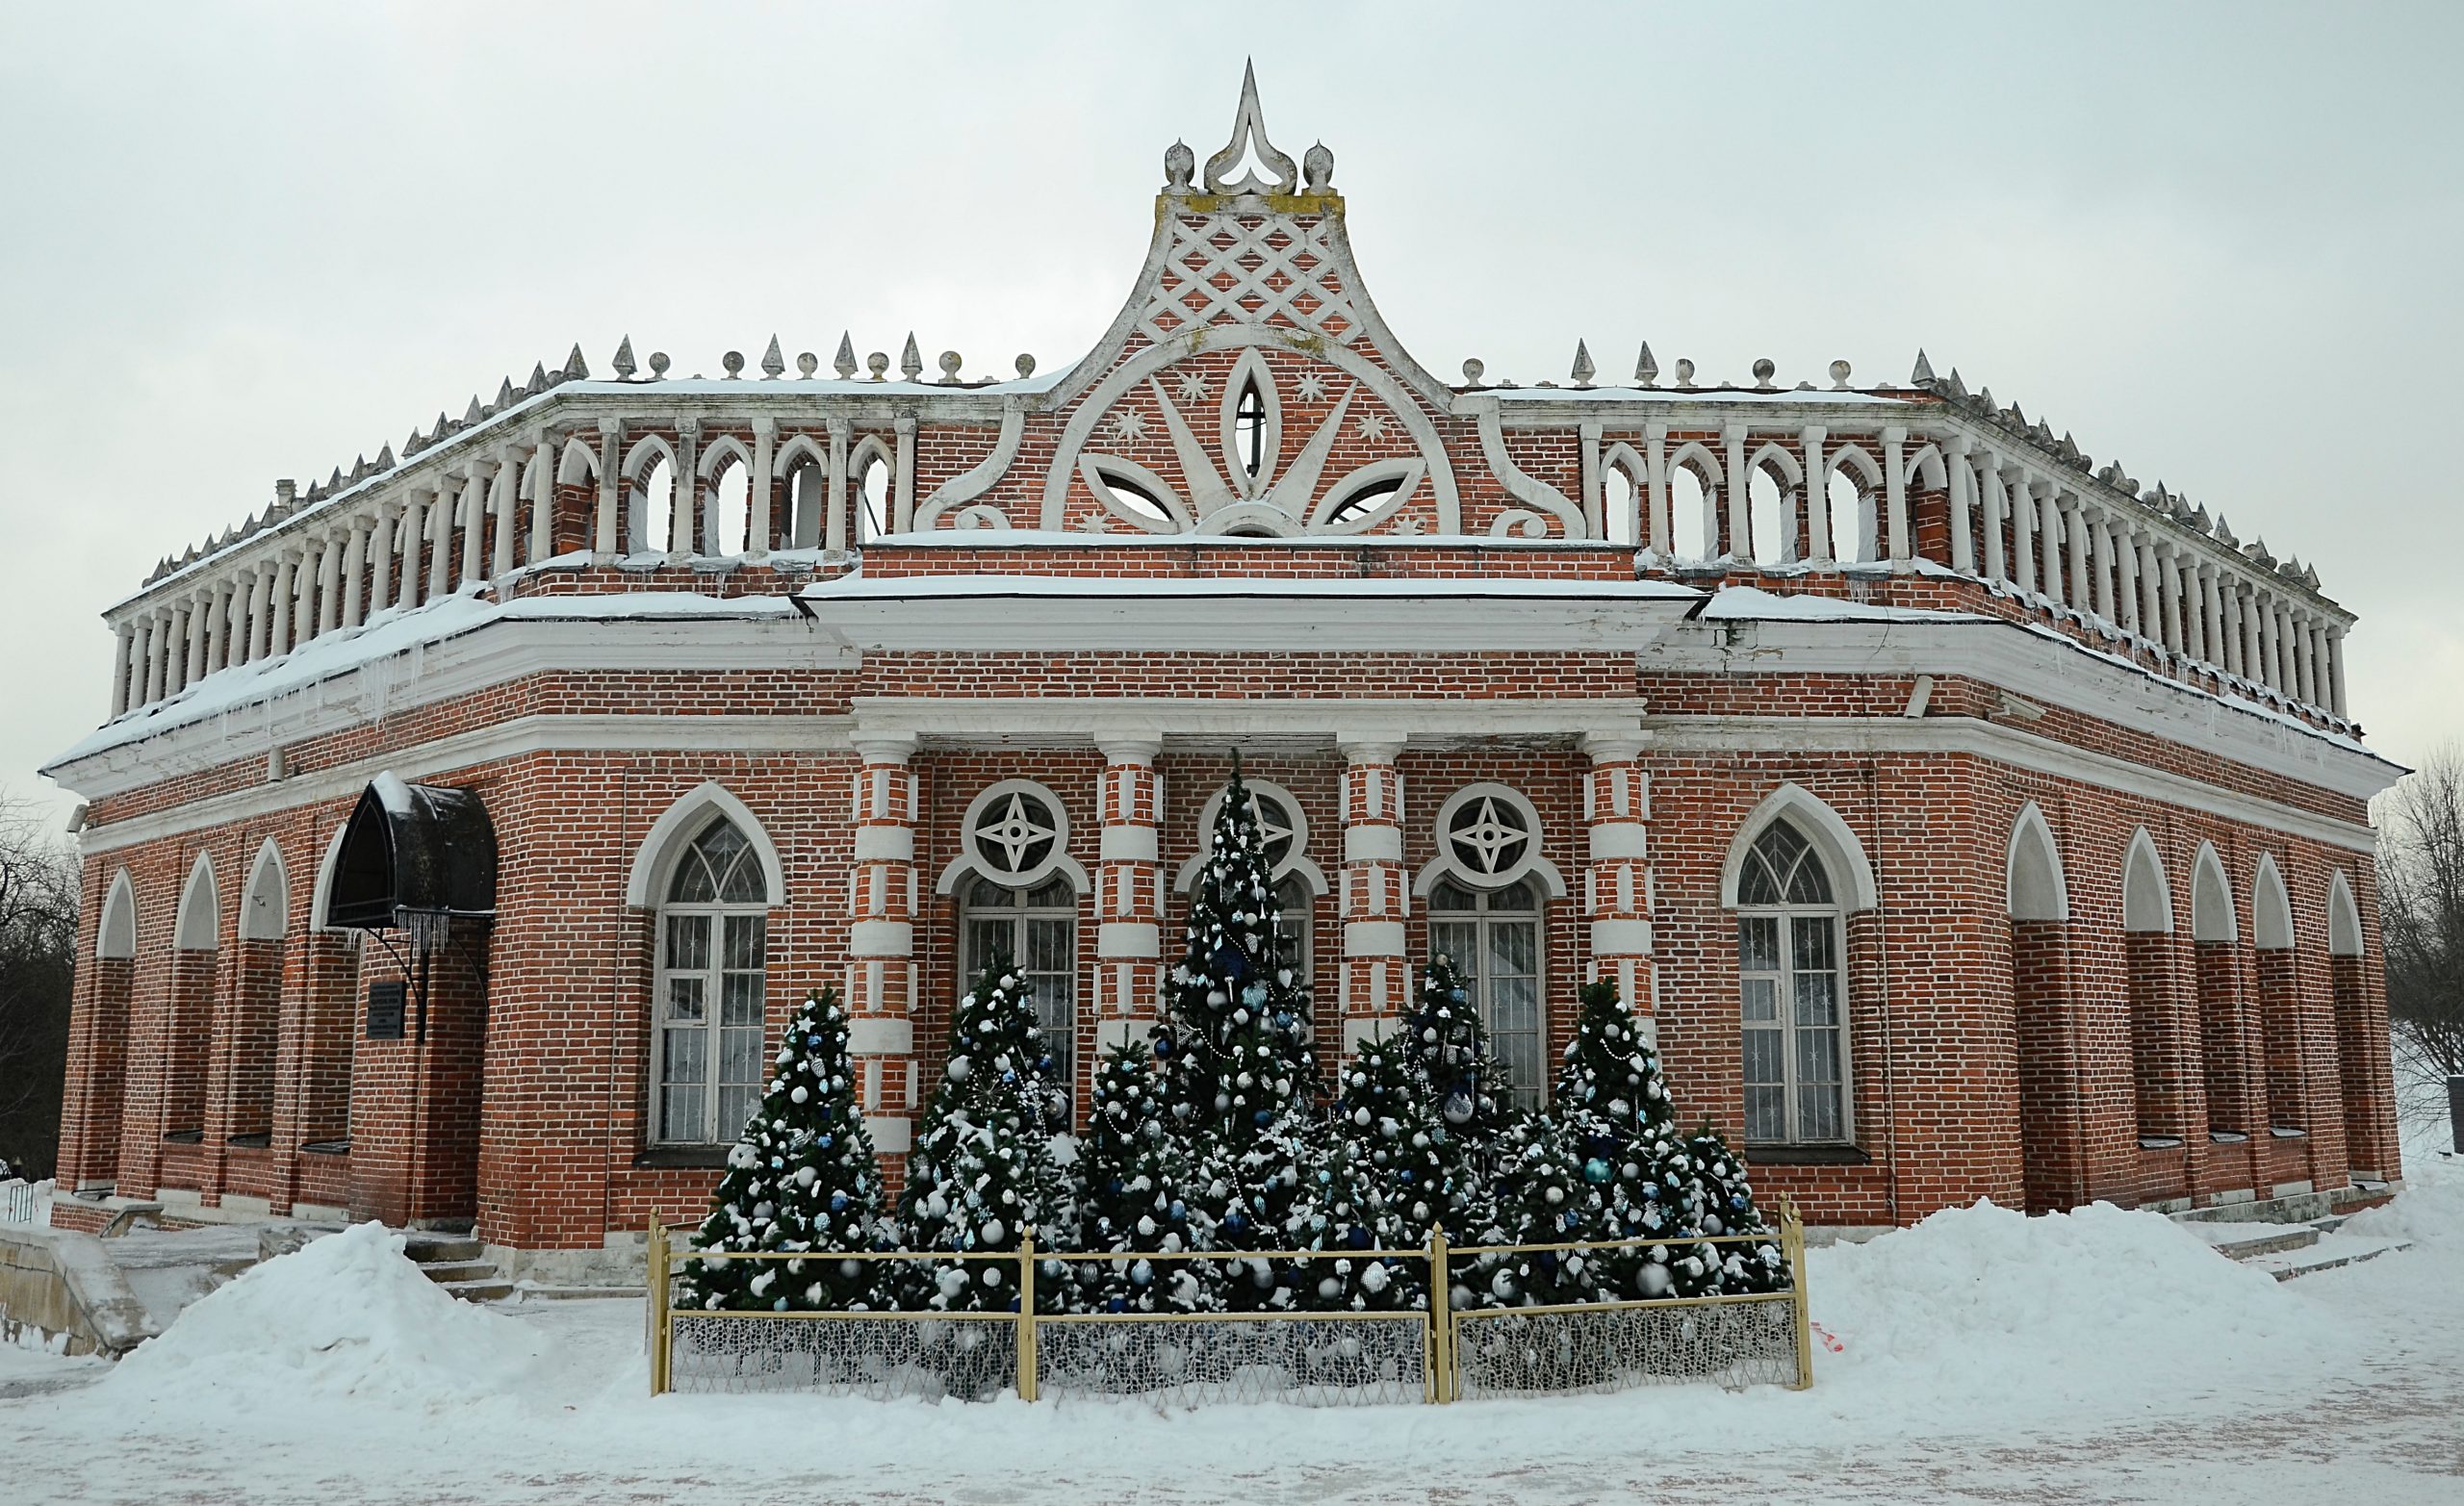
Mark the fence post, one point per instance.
(655, 1253)
(1441, 1320)
(1027, 1315)
(1792, 1247)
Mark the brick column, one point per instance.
(1617, 878)
(1129, 894)
(881, 939)
(1376, 897)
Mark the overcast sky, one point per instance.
(2217, 243)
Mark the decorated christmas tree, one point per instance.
(1235, 1053)
(1384, 1188)
(1542, 1197)
(1612, 1108)
(981, 1171)
(1445, 1047)
(1135, 1195)
(1707, 1182)
(802, 1178)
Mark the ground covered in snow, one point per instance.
(2101, 1356)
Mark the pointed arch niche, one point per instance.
(251, 1027)
(2361, 1037)
(2157, 1058)
(188, 1022)
(2281, 1003)
(2226, 1053)
(89, 1139)
(2052, 1142)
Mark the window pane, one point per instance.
(1815, 942)
(740, 1064)
(735, 1106)
(1514, 947)
(1762, 1058)
(1515, 896)
(693, 884)
(1451, 896)
(1758, 943)
(985, 892)
(680, 1116)
(1817, 1057)
(1818, 1111)
(989, 940)
(1054, 894)
(1051, 945)
(1765, 1113)
(688, 941)
(1456, 941)
(745, 934)
(1512, 1005)
(1755, 885)
(740, 999)
(684, 1003)
(1817, 999)
(1761, 999)
(1808, 884)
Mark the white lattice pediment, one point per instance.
(1235, 269)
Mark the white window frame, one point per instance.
(1019, 915)
(1473, 969)
(713, 979)
(1788, 916)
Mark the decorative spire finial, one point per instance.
(773, 364)
(1923, 376)
(845, 363)
(1583, 370)
(624, 362)
(911, 361)
(1646, 369)
(1249, 134)
(1180, 164)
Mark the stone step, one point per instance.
(446, 1273)
(528, 1292)
(424, 1246)
(2248, 1242)
(2332, 1253)
(491, 1291)
(2330, 1224)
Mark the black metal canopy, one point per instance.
(414, 853)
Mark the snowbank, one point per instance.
(2431, 1209)
(345, 1316)
(2097, 1305)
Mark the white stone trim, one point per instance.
(868, 1036)
(1129, 940)
(196, 926)
(1373, 842)
(881, 939)
(655, 861)
(2212, 898)
(958, 868)
(2032, 896)
(877, 843)
(1296, 858)
(1358, 1028)
(991, 793)
(1842, 853)
(115, 935)
(1375, 938)
(1614, 840)
(2142, 851)
(893, 1135)
(258, 920)
(1126, 843)
(2270, 907)
(1534, 835)
(1135, 1032)
(1621, 938)
(2344, 917)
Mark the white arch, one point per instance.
(1295, 860)
(646, 452)
(2146, 895)
(799, 449)
(1705, 465)
(326, 879)
(655, 862)
(200, 926)
(2211, 917)
(1058, 862)
(579, 463)
(873, 450)
(724, 449)
(1791, 473)
(117, 936)
(2344, 917)
(2270, 907)
(1925, 470)
(2033, 861)
(265, 907)
(1867, 471)
(1840, 851)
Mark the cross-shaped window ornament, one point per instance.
(1014, 837)
(1489, 837)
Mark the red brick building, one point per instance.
(1970, 819)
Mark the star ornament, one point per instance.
(1192, 387)
(1129, 424)
(1311, 388)
(1016, 832)
(1494, 843)
(1373, 427)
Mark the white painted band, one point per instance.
(1377, 842)
(1615, 839)
(1621, 938)
(884, 844)
(881, 1037)
(1373, 938)
(1131, 940)
(1127, 844)
(882, 938)
(892, 1136)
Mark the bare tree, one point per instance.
(37, 952)
(2421, 887)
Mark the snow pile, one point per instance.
(347, 1316)
(2100, 1305)
(2429, 1211)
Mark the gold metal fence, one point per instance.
(1438, 1353)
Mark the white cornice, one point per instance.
(1073, 721)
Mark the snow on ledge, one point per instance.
(856, 586)
(396, 630)
(1752, 603)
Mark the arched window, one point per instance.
(712, 937)
(1035, 931)
(1792, 992)
(1284, 832)
(1493, 938)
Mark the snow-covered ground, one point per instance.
(2102, 1356)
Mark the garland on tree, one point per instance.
(981, 1171)
(1385, 1186)
(803, 1178)
(1134, 1179)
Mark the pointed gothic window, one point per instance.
(1792, 993)
(1252, 419)
(1493, 937)
(712, 936)
(1035, 931)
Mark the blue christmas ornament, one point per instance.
(1359, 1237)
(1595, 1170)
(1230, 962)
(1179, 1211)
